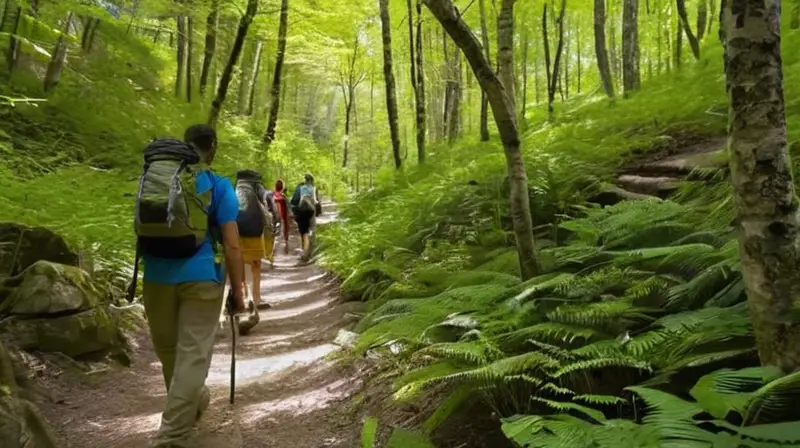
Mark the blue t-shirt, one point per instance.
(201, 267)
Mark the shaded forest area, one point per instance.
(573, 222)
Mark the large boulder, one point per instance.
(52, 289)
(86, 333)
(57, 308)
(22, 246)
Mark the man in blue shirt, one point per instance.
(183, 299)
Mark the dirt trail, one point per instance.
(289, 394)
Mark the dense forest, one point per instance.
(563, 223)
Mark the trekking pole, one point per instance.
(231, 308)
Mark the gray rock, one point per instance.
(22, 246)
(346, 339)
(52, 289)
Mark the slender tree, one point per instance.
(506, 120)
(269, 134)
(420, 89)
(212, 23)
(687, 28)
(484, 124)
(189, 56)
(552, 74)
(631, 77)
(600, 47)
(58, 58)
(702, 18)
(525, 50)
(349, 79)
(505, 48)
(181, 53)
(388, 74)
(227, 71)
(254, 78)
(761, 174)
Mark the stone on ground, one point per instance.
(22, 246)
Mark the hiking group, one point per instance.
(196, 231)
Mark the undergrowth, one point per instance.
(636, 303)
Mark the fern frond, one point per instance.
(776, 397)
(469, 352)
(612, 314)
(728, 390)
(568, 406)
(550, 387)
(550, 331)
(604, 400)
(601, 363)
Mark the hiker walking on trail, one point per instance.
(184, 212)
(272, 226)
(254, 217)
(283, 210)
(306, 207)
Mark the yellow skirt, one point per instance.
(252, 249)
(269, 245)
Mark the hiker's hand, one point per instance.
(236, 303)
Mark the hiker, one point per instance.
(272, 225)
(254, 217)
(283, 210)
(183, 212)
(306, 207)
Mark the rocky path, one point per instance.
(289, 392)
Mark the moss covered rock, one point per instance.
(22, 425)
(22, 246)
(48, 288)
(75, 335)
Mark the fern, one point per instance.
(604, 400)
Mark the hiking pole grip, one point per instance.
(230, 305)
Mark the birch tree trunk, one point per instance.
(212, 23)
(505, 117)
(227, 71)
(631, 75)
(525, 49)
(388, 74)
(600, 47)
(254, 78)
(761, 174)
(505, 49)
(269, 134)
(484, 124)
(702, 18)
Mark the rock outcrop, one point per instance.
(22, 246)
(58, 308)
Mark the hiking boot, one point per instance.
(205, 400)
(246, 325)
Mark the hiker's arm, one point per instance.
(233, 260)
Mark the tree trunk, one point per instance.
(189, 57)
(600, 47)
(349, 83)
(254, 78)
(537, 77)
(679, 46)
(484, 125)
(448, 91)
(684, 21)
(59, 57)
(579, 56)
(552, 75)
(227, 72)
(4, 17)
(12, 53)
(547, 63)
(88, 33)
(524, 106)
(631, 78)
(506, 120)
(761, 174)
(505, 48)
(420, 90)
(795, 18)
(181, 55)
(612, 43)
(388, 74)
(702, 18)
(269, 135)
(244, 79)
(212, 22)
(454, 115)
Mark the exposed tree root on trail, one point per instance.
(289, 393)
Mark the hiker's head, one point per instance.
(204, 139)
(279, 185)
(309, 179)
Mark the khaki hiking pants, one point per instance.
(183, 322)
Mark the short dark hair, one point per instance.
(201, 136)
(309, 178)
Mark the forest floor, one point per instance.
(289, 393)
